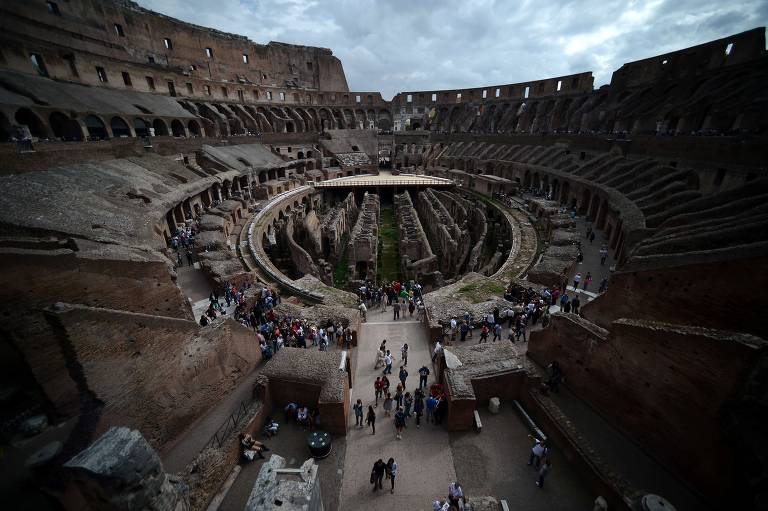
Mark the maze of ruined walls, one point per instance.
(416, 256)
(303, 262)
(448, 240)
(466, 213)
(336, 225)
(364, 240)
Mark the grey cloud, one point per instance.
(398, 45)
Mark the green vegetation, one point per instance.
(389, 249)
(480, 290)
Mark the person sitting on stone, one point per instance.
(252, 447)
(302, 416)
(271, 427)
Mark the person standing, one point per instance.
(543, 471)
(399, 422)
(392, 472)
(371, 419)
(363, 311)
(575, 304)
(396, 310)
(483, 334)
(587, 280)
(576, 280)
(496, 331)
(407, 404)
(388, 403)
(403, 375)
(377, 474)
(418, 407)
(455, 494)
(431, 404)
(378, 388)
(404, 353)
(423, 375)
(358, 407)
(603, 255)
(603, 285)
(438, 349)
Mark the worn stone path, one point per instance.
(423, 456)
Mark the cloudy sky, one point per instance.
(398, 45)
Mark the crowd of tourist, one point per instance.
(405, 298)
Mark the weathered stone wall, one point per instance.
(363, 245)
(336, 225)
(665, 385)
(416, 256)
(449, 240)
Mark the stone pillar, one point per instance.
(121, 472)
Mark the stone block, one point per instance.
(494, 405)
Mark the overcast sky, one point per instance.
(398, 45)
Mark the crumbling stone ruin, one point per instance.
(147, 163)
(281, 488)
(363, 247)
(417, 259)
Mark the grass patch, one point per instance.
(342, 267)
(480, 291)
(388, 267)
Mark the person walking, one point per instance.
(377, 474)
(538, 451)
(404, 353)
(496, 331)
(423, 375)
(587, 280)
(543, 471)
(399, 422)
(418, 407)
(403, 375)
(399, 395)
(575, 304)
(392, 472)
(407, 404)
(603, 255)
(483, 334)
(371, 419)
(378, 388)
(438, 349)
(520, 331)
(576, 280)
(358, 407)
(388, 363)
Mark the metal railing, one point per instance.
(416, 181)
(230, 425)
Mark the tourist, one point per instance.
(440, 409)
(204, 320)
(564, 300)
(455, 494)
(453, 326)
(302, 416)
(385, 384)
(575, 304)
(483, 334)
(538, 451)
(358, 407)
(556, 376)
(378, 389)
(496, 332)
(252, 447)
(399, 395)
(404, 353)
(388, 359)
(603, 255)
(271, 427)
(463, 331)
(576, 280)
(363, 310)
(388, 404)
(392, 472)
(543, 471)
(403, 375)
(331, 331)
(431, 405)
(587, 280)
(418, 406)
(407, 403)
(370, 419)
(411, 307)
(290, 411)
(396, 310)
(603, 285)
(423, 374)
(438, 349)
(377, 474)
(567, 308)
(399, 422)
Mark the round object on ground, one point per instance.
(652, 502)
(494, 405)
(44, 455)
(320, 444)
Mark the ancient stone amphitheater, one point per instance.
(149, 164)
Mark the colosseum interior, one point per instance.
(208, 214)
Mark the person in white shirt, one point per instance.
(453, 329)
(438, 349)
(455, 493)
(388, 363)
(538, 451)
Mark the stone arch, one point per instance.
(26, 117)
(385, 120)
(194, 128)
(300, 155)
(177, 127)
(263, 176)
(6, 131)
(119, 127)
(289, 127)
(140, 127)
(96, 128)
(339, 117)
(65, 128)
(160, 127)
(586, 198)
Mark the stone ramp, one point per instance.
(423, 456)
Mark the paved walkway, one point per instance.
(423, 456)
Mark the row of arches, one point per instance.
(93, 127)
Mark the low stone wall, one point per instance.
(363, 247)
(417, 258)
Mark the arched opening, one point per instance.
(177, 128)
(26, 117)
(289, 127)
(65, 128)
(194, 128)
(119, 127)
(6, 132)
(161, 129)
(140, 127)
(300, 155)
(263, 177)
(96, 128)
